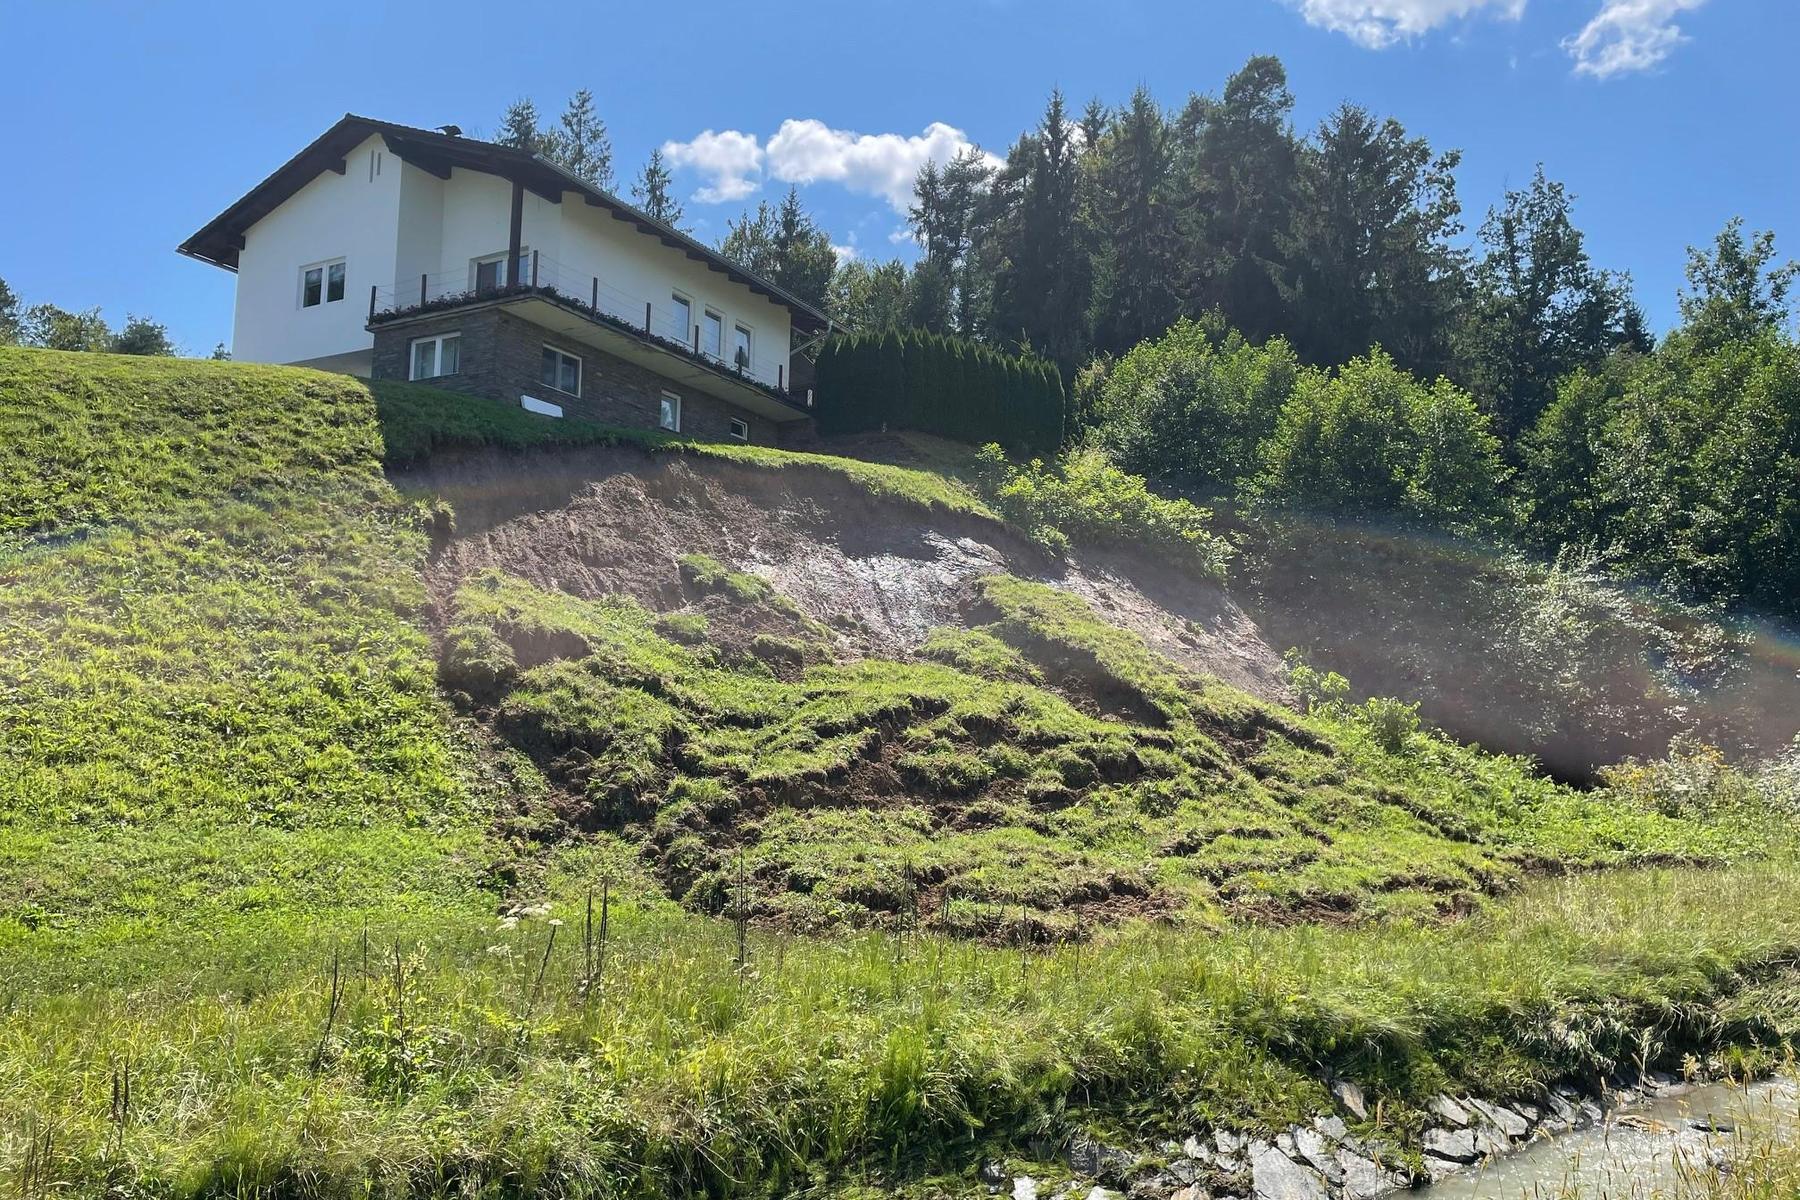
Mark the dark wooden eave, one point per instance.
(220, 240)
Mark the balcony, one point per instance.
(587, 309)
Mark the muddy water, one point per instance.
(1639, 1152)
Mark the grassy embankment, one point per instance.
(229, 769)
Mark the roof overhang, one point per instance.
(682, 369)
(221, 239)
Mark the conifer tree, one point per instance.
(653, 191)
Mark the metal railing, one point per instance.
(593, 297)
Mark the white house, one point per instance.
(400, 253)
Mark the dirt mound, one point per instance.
(881, 573)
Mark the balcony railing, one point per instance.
(594, 298)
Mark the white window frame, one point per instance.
(716, 318)
(687, 323)
(739, 429)
(674, 402)
(580, 370)
(499, 257)
(437, 356)
(749, 333)
(323, 267)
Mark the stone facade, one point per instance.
(501, 357)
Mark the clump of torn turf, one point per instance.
(1033, 775)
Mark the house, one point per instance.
(399, 253)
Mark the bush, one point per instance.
(1194, 404)
(934, 384)
(1372, 440)
(1088, 498)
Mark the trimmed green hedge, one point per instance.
(935, 384)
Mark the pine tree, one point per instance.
(580, 145)
(652, 191)
(519, 127)
(1133, 298)
(1038, 242)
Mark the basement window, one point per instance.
(433, 357)
(561, 371)
(671, 412)
(740, 429)
(321, 283)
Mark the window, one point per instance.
(684, 318)
(321, 284)
(435, 356)
(712, 335)
(561, 371)
(671, 412)
(490, 271)
(740, 429)
(742, 354)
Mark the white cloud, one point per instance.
(734, 164)
(1628, 35)
(875, 164)
(731, 162)
(1378, 24)
(846, 252)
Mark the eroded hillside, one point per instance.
(813, 703)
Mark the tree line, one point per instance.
(50, 327)
(1677, 464)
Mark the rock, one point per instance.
(1098, 1161)
(1512, 1124)
(1449, 1111)
(1350, 1097)
(1024, 1188)
(1284, 1142)
(1311, 1145)
(1438, 1169)
(1278, 1177)
(1155, 1186)
(1489, 1141)
(1197, 1150)
(1361, 1178)
(1561, 1109)
(1191, 1192)
(1453, 1145)
(1229, 1142)
(1099, 1193)
(1332, 1127)
(992, 1172)
(1591, 1113)
(1713, 1125)
(1185, 1170)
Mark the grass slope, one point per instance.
(250, 859)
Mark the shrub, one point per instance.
(934, 384)
(1194, 404)
(1372, 440)
(1087, 498)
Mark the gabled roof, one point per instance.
(429, 150)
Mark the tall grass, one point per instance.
(466, 1056)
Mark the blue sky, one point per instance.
(131, 124)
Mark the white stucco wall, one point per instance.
(392, 222)
(353, 216)
(634, 267)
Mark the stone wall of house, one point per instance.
(501, 358)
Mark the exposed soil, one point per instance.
(881, 573)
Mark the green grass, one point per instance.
(216, 695)
(962, 792)
(419, 421)
(229, 766)
(865, 1055)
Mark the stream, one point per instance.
(1639, 1151)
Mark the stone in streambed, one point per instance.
(1275, 1176)
(1452, 1145)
